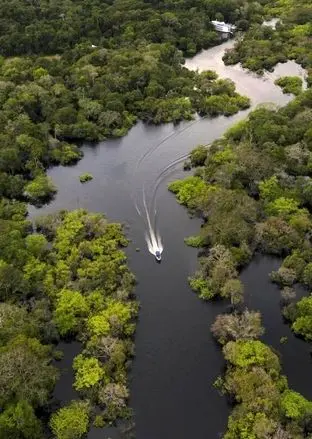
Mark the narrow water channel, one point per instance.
(264, 296)
(176, 359)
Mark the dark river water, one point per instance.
(176, 359)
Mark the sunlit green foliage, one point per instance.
(282, 206)
(188, 191)
(295, 406)
(70, 308)
(88, 372)
(20, 422)
(290, 84)
(302, 317)
(269, 189)
(40, 189)
(114, 319)
(199, 284)
(67, 273)
(251, 353)
(85, 177)
(71, 422)
(194, 241)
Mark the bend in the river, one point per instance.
(176, 360)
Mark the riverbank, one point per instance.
(176, 359)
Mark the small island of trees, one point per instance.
(85, 177)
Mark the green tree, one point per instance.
(114, 319)
(251, 353)
(294, 405)
(282, 207)
(188, 190)
(71, 422)
(40, 189)
(15, 320)
(26, 372)
(234, 290)
(270, 189)
(11, 281)
(88, 372)
(302, 324)
(36, 244)
(198, 155)
(20, 422)
(71, 308)
(290, 84)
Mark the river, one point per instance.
(176, 359)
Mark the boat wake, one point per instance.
(152, 237)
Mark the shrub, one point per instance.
(188, 190)
(290, 84)
(194, 241)
(198, 156)
(200, 285)
(284, 276)
(39, 190)
(85, 177)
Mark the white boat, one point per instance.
(158, 255)
(223, 27)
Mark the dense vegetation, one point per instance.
(48, 103)
(68, 279)
(81, 70)
(57, 26)
(253, 188)
(290, 84)
(77, 70)
(264, 406)
(263, 47)
(73, 71)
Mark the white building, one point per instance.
(225, 28)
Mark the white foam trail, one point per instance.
(174, 133)
(137, 208)
(163, 175)
(153, 239)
